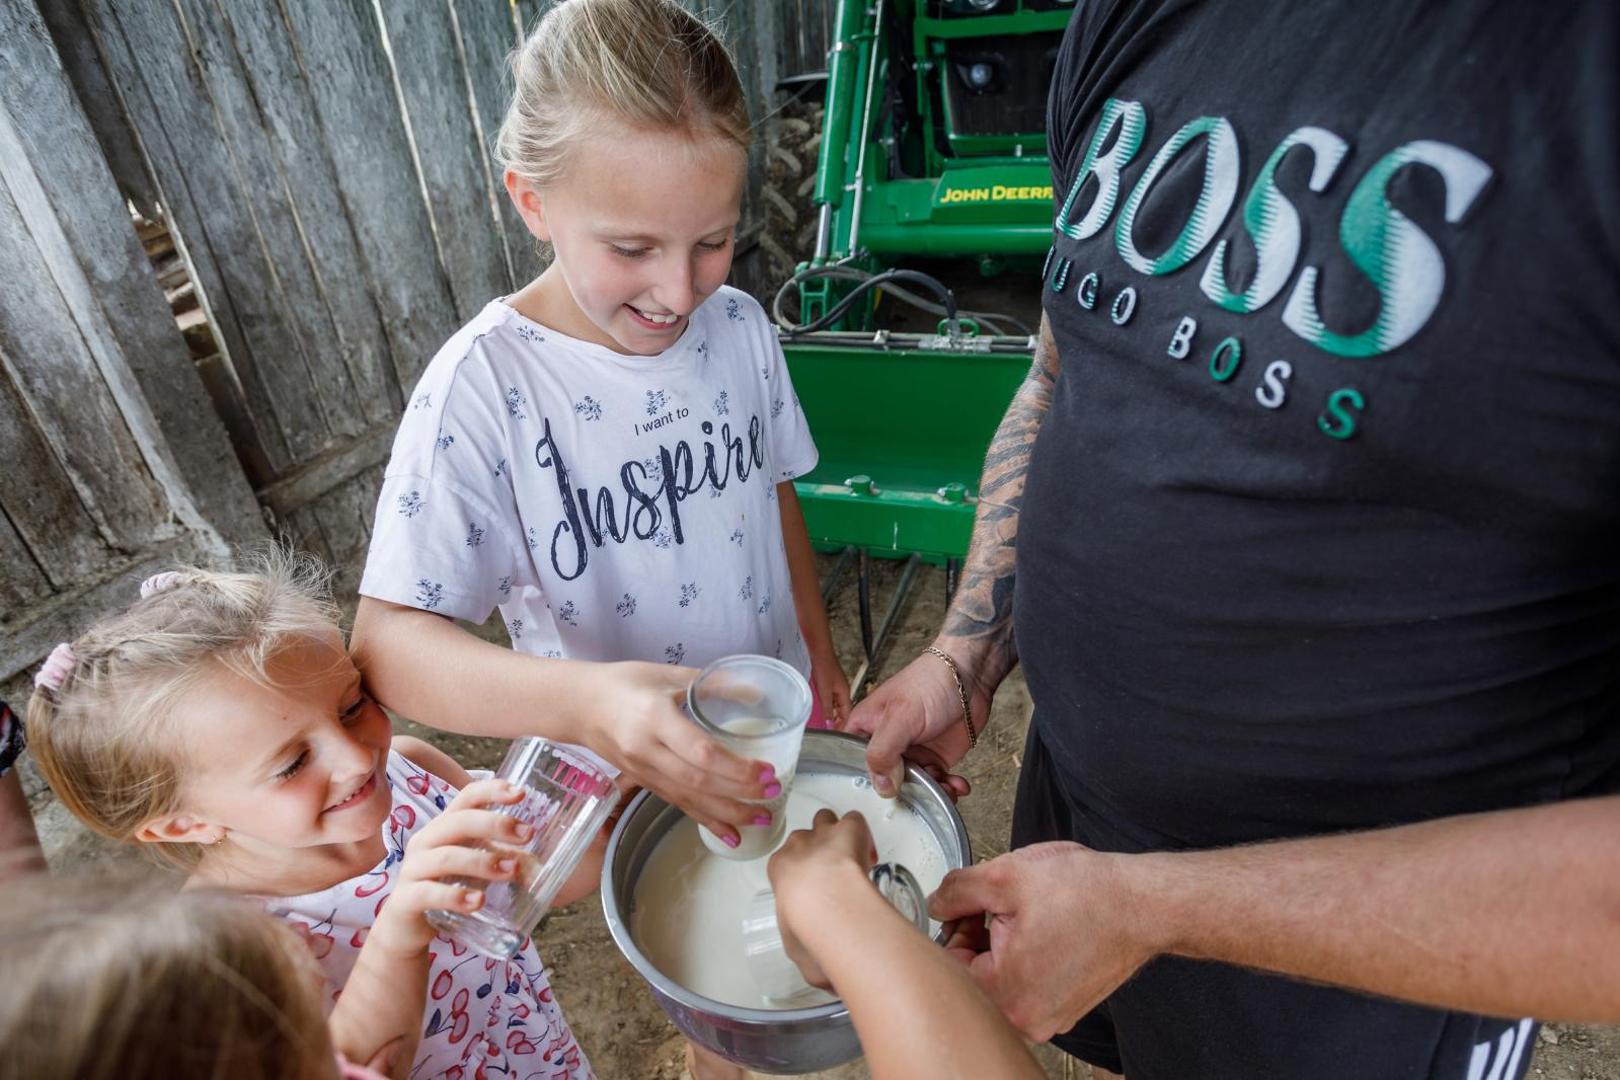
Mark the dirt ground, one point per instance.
(611, 1009)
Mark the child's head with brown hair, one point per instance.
(107, 980)
(625, 149)
(220, 709)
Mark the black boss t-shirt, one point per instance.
(1323, 528)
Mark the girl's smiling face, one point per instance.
(296, 764)
(643, 224)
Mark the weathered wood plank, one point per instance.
(345, 515)
(101, 102)
(49, 361)
(311, 371)
(349, 77)
(302, 532)
(114, 296)
(160, 96)
(38, 498)
(22, 579)
(489, 35)
(752, 32)
(530, 12)
(310, 482)
(433, 87)
(66, 616)
(238, 210)
(806, 35)
(357, 342)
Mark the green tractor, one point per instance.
(932, 150)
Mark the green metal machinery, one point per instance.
(933, 147)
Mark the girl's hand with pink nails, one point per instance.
(469, 841)
(642, 727)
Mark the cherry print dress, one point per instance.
(485, 1019)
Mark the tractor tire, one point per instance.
(790, 179)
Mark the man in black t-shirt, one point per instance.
(1313, 498)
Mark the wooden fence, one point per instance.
(323, 170)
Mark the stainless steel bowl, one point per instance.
(782, 1041)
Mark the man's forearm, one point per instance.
(978, 626)
(1514, 913)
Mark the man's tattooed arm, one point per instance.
(978, 626)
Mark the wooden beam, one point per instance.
(313, 480)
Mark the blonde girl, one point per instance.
(221, 721)
(108, 980)
(607, 454)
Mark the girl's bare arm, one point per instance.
(428, 668)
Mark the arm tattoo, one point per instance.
(980, 617)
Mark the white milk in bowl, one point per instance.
(690, 903)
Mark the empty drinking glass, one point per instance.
(568, 798)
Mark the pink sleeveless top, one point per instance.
(484, 1018)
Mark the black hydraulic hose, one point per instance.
(991, 321)
(838, 310)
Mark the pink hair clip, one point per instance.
(158, 582)
(54, 672)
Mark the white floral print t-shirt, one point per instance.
(613, 507)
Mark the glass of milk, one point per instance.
(756, 707)
(569, 794)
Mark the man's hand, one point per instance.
(1064, 932)
(917, 715)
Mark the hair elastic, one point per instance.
(158, 582)
(54, 672)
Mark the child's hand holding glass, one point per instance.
(640, 724)
(463, 842)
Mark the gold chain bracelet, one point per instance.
(961, 692)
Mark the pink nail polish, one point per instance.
(730, 841)
(762, 819)
(767, 774)
(772, 790)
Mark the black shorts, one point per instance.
(1192, 1020)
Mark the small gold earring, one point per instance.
(218, 840)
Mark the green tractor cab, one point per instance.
(933, 147)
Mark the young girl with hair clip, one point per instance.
(221, 720)
(607, 455)
(106, 980)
